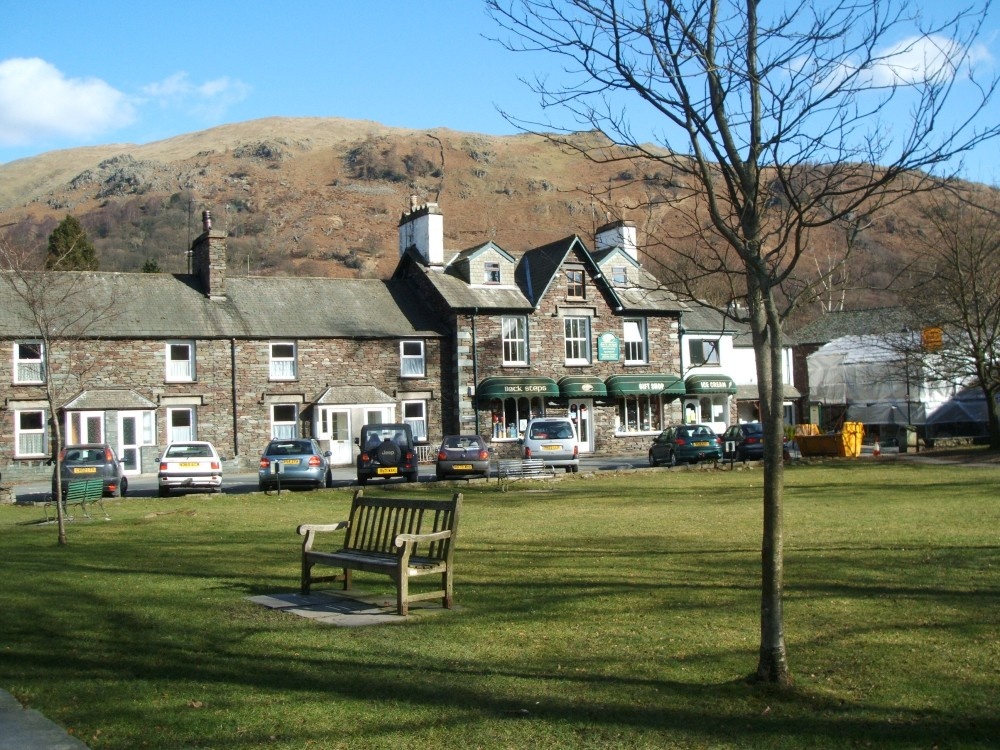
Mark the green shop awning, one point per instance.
(645, 385)
(510, 387)
(699, 384)
(582, 386)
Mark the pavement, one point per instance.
(25, 729)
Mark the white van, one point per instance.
(552, 439)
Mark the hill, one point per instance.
(322, 196)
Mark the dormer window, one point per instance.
(491, 272)
(575, 288)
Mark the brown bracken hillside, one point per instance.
(323, 196)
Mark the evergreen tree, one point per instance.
(151, 266)
(70, 249)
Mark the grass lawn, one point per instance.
(605, 611)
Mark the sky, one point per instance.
(86, 73)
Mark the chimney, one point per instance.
(422, 228)
(208, 259)
(618, 234)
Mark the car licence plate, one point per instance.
(551, 447)
(700, 444)
(85, 470)
(188, 464)
(462, 467)
(387, 470)
(290, 461)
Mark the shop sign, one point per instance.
(608, 348)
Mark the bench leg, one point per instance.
(348, 579)
(402, 593)
(306, 576)
(447, 585)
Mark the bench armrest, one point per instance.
(309, 530)
(402, 539)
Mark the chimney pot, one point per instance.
(206, 220)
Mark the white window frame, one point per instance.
(29, 369)
(713, 356)
(491, 272)
(78, 424)
(30, 441)
(577, 341)
(283, 367)
(284, 428)
(190, 431)
(514, 343)
(619, 276)
(179, 370)
(415, 414)
(639, 415)
(412, 363)
(634, 336)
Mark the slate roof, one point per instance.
(874, 321)
(174, 306)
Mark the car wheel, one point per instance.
(439, 475)
(673, 459)
(576, 469)
(122, 487)
(362, 481)
(652, 460)
(164, 491)
(329, 479)
(412, 477)
(217, 490)
(261, 487)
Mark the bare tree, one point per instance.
(956, 293)
(58, 312)
(772, 127)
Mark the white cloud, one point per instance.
(921, 59)
(208, 100)
(38, 102)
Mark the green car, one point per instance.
(689, 443)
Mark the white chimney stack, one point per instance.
(618, 234)
(422, 228)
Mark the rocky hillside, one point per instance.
(323, 196)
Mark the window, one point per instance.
(639, 414)
(84, 427)
(574, 284)
(703, 351)
(29, 362)
(283, 360)
(577, 334)
(284, 421)
(411, 359)
(515, 340)
(181, 425)
(29, 433)
(415, 415)
(635, 341)
(491, 272)
(180, 362)
(619, 276)
(511, 415)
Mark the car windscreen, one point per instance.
(288, 448)
(550, 431)
(189, 451)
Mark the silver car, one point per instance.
(190, 465)
(552, 439)
(297, 462)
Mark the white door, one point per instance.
(333, 430)
(129, 439)
(580, 411)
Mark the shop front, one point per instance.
(709, 400)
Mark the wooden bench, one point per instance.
(521, 468)
(80, 492)
(400, 537)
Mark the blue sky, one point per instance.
(82, 73)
